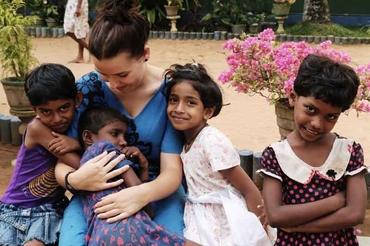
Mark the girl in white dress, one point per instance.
(223, 203)
(76, 25)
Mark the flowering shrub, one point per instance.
(258, 65)
(363, 96)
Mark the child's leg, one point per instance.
(81, 46)
(74, 225)
(169, 212)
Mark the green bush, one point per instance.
(15, 46)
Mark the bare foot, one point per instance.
(77, 60)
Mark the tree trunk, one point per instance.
(316, 11)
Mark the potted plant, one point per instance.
(258, 65)
(254, 21)
(173, 7)
(231, 13)
(51, 14)
(15, 55)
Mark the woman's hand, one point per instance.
(95, 173)
(122, 204)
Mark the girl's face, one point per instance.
(113, 132)
(122, 71)
(314, 119)
(185, 108)
(56, 114)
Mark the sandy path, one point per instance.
(248, 121)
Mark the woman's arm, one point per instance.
(353, 213)
(241, 181)
(280, 215)
(126, 202)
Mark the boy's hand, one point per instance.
(62, 144)
(133, 151)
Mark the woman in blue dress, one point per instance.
(125, 81)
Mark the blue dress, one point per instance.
(151, 132)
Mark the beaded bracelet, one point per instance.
(69, 187)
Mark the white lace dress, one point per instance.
(215, 212)
(73, 24)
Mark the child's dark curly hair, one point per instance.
(329, 81)
(194, 73)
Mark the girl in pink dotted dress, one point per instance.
(219, 191)
(314, 187)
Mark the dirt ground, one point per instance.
(248, 121)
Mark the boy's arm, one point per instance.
(280, 215)
(353, 213)
(39, 134)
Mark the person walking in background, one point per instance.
(76, 25)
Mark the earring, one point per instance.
(146, 59)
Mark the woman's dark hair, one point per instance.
(209, 91)
(49, 82)
(118, 28)
(329, 81)
(95, 118)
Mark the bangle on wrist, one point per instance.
(69, 187)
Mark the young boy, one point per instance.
(32, 206)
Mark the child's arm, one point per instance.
(133, 151)
(353, 213)
(62, 144)
(241, 181)
(280, 215)
(39, 134)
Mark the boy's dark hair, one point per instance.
(95, 118)
(118, 28)
(209, 91)
(49, 82)
(326, 80)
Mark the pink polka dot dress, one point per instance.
(303, 183)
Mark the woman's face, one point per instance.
(121, 71)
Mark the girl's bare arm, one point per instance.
(241, 181)
(281, 215)
(353, 213)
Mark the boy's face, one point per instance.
(313, 117)
(113, 132)
(56, 114)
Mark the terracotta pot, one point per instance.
(284, 118)
(17, 99)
